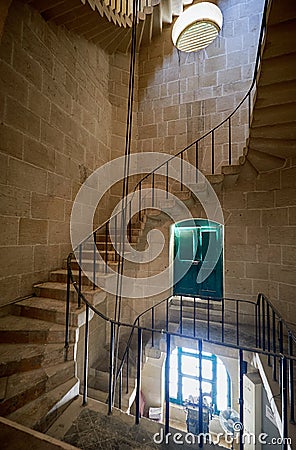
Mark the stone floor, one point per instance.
(90, 428)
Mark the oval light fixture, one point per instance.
(197, 27)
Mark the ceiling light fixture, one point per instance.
(197, 27)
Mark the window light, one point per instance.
(197, 27)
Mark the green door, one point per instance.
(198, 258)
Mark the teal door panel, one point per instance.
(198, 258)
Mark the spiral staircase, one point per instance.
(36, 383)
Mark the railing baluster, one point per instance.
(291, 378)
(120, 389)
(130, 222)
(167, 180)
(256, 326)
(111, 369)
(208, 319)
(268, 333)
(213, 152)
(194, 316)
(200, 399)
(274, 364)
(85, 369)
(284, 397)
(152, 189)
(127, 371)
(281, 345)
(223, 320)
(106, 247)
(249, 109)
(229, 142)
(181, 178)
(67, 308)
(152, 326)
(196, 161)
(115, 238)
(139, 366)
(140, 202)
(167, 315)
(181, 314)
(79, 275)
(237, 323)
(95, 260)
(167, 384)
(263, 324)
(241, 396)
(259, 319)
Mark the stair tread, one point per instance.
(76, 273)
(49, 304)
(19, 323)
(32, 412)
(23, 381)
(17, 352)
(63, 287)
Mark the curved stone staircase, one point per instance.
(108, 22)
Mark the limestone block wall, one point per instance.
(260, 237)
(55, 128)
(182, 96)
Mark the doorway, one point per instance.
(198, 258)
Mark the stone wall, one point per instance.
(182, 96)
(55, 128)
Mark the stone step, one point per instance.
(15, 330)
(58, 291)
(40, 413)
(60, 276)
(276, 94)
(22, 358)
(199, 303)
(264, 162)
(273, 146)
(276, 70)
(273, 115)
(279, 39)
(285, 131)
(49, 310)
(88, 266)
(21, 388)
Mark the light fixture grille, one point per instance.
(197, 36)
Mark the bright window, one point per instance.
(185, 378)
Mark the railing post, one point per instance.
(67, 308)
(106, 247)
(120, 389)
(115, 238)
(284, 396)
(229, 141)
(111, 369)
(181, 179)
(79, 275)
(223, 319)
(167, 314)
(85, 369)
(167, 384)
(200, 402)
(181, 314)
(208, 319)
(194, 316)
(139, 364)
(94, 260)
(140, 202)
(127, 371)
(130, 222)
(196, 161)
(152, 326)
(241, 397)
(291, 379)
(274, 364)
(213, 152)
(152, 189)
(259, 319)
(263, 324)
(268, 333)
(167, 180)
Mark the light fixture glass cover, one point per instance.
(197, 27)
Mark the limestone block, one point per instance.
(38, 154)
(289, 256)
(275, 217)
(9, 230)
(27, 66)
(268, 253)
(12, 83)
(33, 231)
(46, 256)
(14, 202)
(9, 288)
(282, 235)
(58, 232)
(53, 137)
(260, 199)
(257, 235)
(240, 252)
(39, 104)
(47, 207)
(22, 118)
(241, 217)
(283, 274)
(16, 260)
(235, 269)
(58, 186)
(257, 271)
(26, 176)
(37, 50)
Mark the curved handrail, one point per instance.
(208, 133)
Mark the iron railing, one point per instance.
(270, 337)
